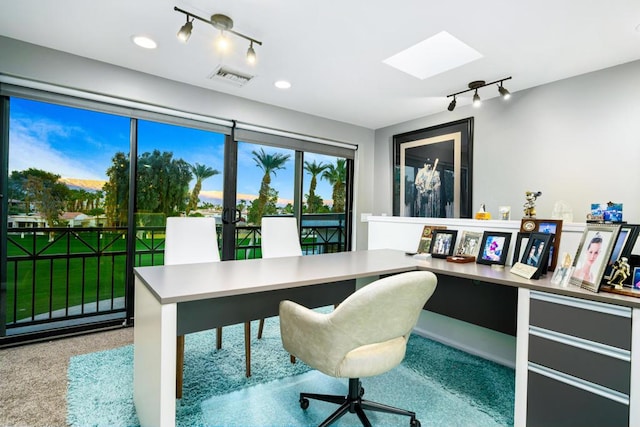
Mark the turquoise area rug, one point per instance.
(444, 386)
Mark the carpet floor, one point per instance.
(444, 386)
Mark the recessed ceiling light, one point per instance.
(144, 42)
(282, 84)
(432, 56)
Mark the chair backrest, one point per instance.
(279, 237)
(387, 308)
(190, 240)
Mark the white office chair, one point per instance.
(279, 238)
(190, 241)
(365, 335)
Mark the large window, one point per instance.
(64, 257)
(80, 214)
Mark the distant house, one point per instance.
(75, 219)
(25, 221)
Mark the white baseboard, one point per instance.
(473, 339)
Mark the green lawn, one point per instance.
(81, 267)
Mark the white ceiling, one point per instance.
(332, 50)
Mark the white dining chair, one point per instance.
(191, 240)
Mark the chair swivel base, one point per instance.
(354, 403)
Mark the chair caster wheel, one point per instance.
(361, 391)
(304, 403)
(415, 423)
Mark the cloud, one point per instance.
(31, 147)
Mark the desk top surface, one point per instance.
(190, 282)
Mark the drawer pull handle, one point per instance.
(595, 347)
(605, 392)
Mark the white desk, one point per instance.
(172, 300)
(177, 299)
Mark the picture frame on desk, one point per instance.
(635, 284)
(424, 245)
(552, 226)
(432, 174)
(536, 253)
(443, 243)
(494, 248)
(593, 253)
(469, 243)
(624, 244)
(522, 238)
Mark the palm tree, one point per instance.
(201, 173)
(337, 176)
(314, 202)
(269, 163)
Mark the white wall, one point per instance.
(575, 140)
(33, 62)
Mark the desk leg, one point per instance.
(522, 358)
(154, 359)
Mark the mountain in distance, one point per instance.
(83, 184)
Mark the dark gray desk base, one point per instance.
(201, 315)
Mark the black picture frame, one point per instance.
(443, 243)
(433, 171)
(536, 253)
(552, 226)
(494, 248)
(622, 247)
(522, 238)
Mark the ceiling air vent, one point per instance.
(229, 75)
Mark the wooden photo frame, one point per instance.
(433, 171)
(592, 255)
(494, 248)
(443, 243)
(624, 244)
(469, 243)
(552, 226)
(536, 253)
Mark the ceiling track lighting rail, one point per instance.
(220, 22)
(474, 86)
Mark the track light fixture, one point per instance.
(452, 104)
(474, 86)
(220, 22)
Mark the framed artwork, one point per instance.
(593, 253)
(425, 238)
(551, 226)
(443, 242)
(469, 243)
(494, 248)
(622, 247)
(636, 278)
(432, 171)
(536, 253)
(521, 244)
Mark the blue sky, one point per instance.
(80, 144)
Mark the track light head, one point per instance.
(452, 104)
(476, 99)
(251, 54)
(504, 92)
(185, 31)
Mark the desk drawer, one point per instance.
(603, 323)
(607, 367)
(556, 403)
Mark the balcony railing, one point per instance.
(67, 276)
